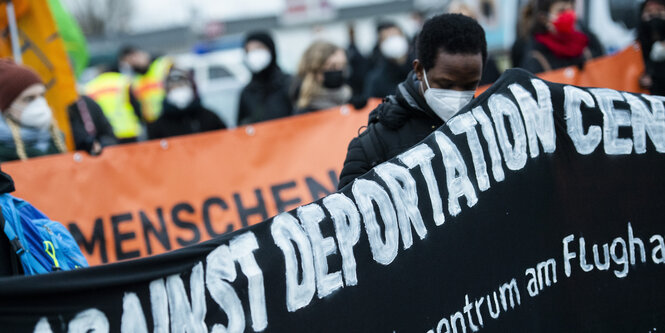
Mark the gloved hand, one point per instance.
(358, 101)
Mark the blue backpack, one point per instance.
(41, 245)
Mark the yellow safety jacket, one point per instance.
(149, 88)
(111, 91)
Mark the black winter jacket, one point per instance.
(266, 97)
(394, 126)
(193, 119)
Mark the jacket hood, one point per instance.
(264, 38)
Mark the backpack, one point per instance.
(41, 245)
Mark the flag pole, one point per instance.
(13, 32)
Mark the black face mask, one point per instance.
(333, 79)
(652, 30)
(141, 70)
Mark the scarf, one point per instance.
(569, 45)
(32, 138)
(328, 98)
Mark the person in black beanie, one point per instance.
(266, 97)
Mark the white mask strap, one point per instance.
(425, 75)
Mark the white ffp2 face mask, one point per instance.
(258, 60)
(37, 114)
(446, 102)
(394, 47)
(181, 97)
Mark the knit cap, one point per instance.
(14, 79)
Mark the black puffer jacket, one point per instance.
(394, 126)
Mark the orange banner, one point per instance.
(148, 198)
(44, 51)
(619, 71)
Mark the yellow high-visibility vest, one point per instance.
(149, 88)
(111, 91)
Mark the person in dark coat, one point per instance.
(182, 112)
(266, 97)
(451, 52)
(556, 41)
(393, 62)
(651, 35)
(90, 128)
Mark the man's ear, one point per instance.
(418, 69)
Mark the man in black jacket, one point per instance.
(393, 63)
(452, 51)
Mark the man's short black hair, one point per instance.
(452, 33)
(383, 25)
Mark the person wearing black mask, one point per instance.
(651, 35)
(266, 96)
(556, 41)
(320, 83)
(182, 110)
(393, 62)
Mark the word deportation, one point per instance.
(507, 132)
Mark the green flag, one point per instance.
(72, 35)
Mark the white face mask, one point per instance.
(257, 60)
(657, 52)
(445, 102)
(394, 47)
(181, 97)
(37, 114)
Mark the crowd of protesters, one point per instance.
(152, 98)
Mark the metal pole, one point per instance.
(13, 32)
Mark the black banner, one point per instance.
(538, 208)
